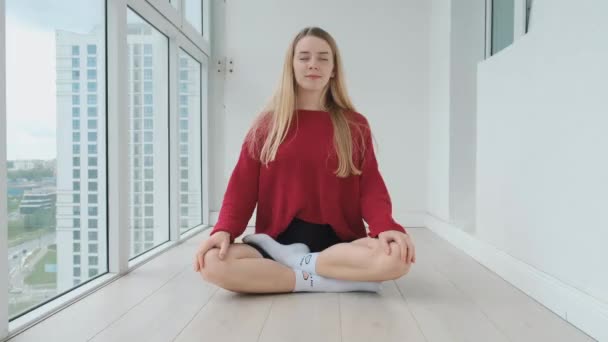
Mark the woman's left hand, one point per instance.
(408, 251)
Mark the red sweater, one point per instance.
(301, 183)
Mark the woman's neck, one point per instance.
(308, 100)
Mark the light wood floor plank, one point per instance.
(443, 312)
(162, 316)
(378, 317)
(303, 317)
(228, 317)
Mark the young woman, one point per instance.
(308, 163)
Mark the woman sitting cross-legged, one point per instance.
(308, 163)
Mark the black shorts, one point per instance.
(316, 236)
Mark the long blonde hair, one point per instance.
(272, 125)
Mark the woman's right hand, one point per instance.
(219, 240)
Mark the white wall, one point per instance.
(542, 166)
(386, 61)
(217, 136)
(467, 49)
(438, 187)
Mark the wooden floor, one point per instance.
(447, 296)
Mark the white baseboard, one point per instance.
(412, 219)
(580, 309)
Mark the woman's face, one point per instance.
(313, 63)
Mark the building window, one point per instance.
(93, 223)
(92, 111)
(93, 260)
(91, 49)
(91, 99)
(92, 248)
(75, 50)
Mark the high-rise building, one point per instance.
(81, 157)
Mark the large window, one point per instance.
(96, 153)
(50, 58)
(147, 51)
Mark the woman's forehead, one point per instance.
(312, 44)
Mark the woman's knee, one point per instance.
(391, 266)
(214, 269)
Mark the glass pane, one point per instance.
(502, 24)
(174, 3)
(47, 195)
(189, 138)
(145, 42)
(194, 13)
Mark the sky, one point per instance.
(30, 69)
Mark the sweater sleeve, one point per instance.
(241, 196)
(375, 201)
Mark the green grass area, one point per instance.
(38, 275)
